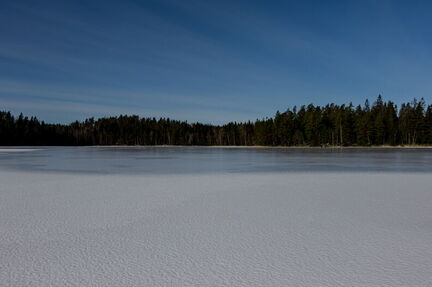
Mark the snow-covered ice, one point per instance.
(17, 149)
(244, 229)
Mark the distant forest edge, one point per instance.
(382, 123)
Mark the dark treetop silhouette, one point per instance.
(380, 124)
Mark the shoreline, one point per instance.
(29, 147)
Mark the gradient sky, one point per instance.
(209, 61)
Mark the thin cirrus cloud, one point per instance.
(69, 111)
(209, 61)
(80, 102)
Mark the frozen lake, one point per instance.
(189, 216)
(193, 160)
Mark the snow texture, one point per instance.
(17, 149)
(252, 229)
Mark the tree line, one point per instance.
(381, 123)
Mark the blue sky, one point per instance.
(209, 61)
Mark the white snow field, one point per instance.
(17, 149)
(249, 229)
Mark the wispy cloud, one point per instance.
(232, 59)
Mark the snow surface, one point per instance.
(251, 229)
(17, 149)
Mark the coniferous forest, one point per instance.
(379, 123)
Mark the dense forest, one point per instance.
(381, 123)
